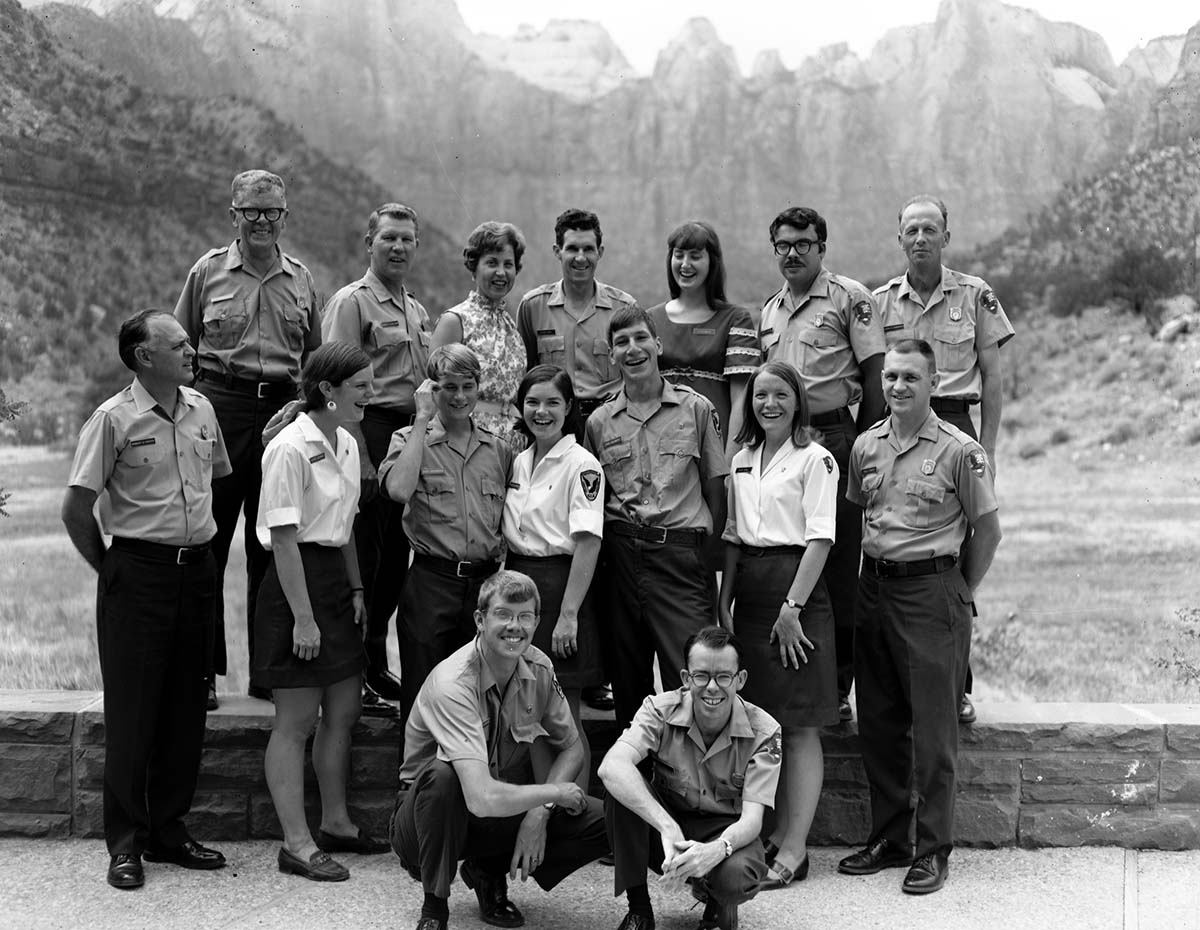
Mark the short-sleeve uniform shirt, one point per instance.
(790, 502)
(548, 503)
(451, 719)
(825, 335)
(455, 511)
(918, 499)
(656, 468)
(309, 485)
(257, 328)
(742, 764)
(962, 317)
(576, 342)
(152, 470)
(395, 334)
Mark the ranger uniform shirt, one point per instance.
(548, 504)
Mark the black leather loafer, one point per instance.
(320, 867)
(190, 855)
(632, 921)
(385, 684)
(125, 871)
(599, 697)
(364, 843)
(431, 923)
(375, 706)
(718, 916)
(492, 892)
(927, 874)
(880, 855)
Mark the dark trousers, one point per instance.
(432, 829)
(242, 418)
(841, 567)
(962, 419)
(637, 847)
(154, 629)
(910, 657)
(379, 539)
(658, 595)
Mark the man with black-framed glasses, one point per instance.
(714, 762)
(252, 313)
(826, 325)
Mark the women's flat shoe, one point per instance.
(784, 876)
(363, 843)
(320, 867)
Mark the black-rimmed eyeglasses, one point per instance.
(801, 247)
(252, 214)
(701, 679)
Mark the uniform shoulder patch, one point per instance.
(862, 312)
(829, 464)
(978, 462)
(987, 300)
(589, 480)
(716, 420)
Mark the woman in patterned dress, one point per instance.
(483, 324)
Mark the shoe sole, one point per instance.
(924, 889)
(127, 884)
(873, 870)
(194, 866)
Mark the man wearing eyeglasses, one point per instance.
(714, 763)
(251, 312)
(827, 327)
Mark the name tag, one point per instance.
(316, 458)
(143, 442)
(547, 332)
(744, 470)
(767, 331)
(869, 469)
(514, 485)
(704, 332)
(389, 323)
(613, 442)
(893, 327)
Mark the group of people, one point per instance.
(544, 501)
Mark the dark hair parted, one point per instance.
(627, 317)
(751, 433)
(800, 218)
(549, 374)
(916, 347)
(715, 638)
(134, 332)
(333, 362)
(493, 237)
(700, 235)
(579, 221)
(396, 211)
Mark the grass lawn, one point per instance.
(1081, 604)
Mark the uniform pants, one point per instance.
(841, 567)
(154, 630)
(962, 419)
(431, 830)
(637, 847)
(382, 547)
(910, 657)
(658, 596)
(242, 418)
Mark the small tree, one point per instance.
(1140, 275)
(9, 410)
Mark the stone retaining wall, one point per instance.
(1030, 774)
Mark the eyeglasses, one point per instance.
(506, 616)
(252, 214)
(801, 247)
(701, 679)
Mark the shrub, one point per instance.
(1059, 435)
(1121, 433)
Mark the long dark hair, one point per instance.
(549, 374)
(751, 433)
(698, 234)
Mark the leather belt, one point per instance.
(656, 534)
(881, 568)
(949, 404)
(161, 552)
(455, 569)
(263, 390)
(831, 417)
(771, 550)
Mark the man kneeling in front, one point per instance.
(714, 765)
(467, 783)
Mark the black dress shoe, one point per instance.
(632, 921)
(492, 892)
(431, 923)
(375, 706)
(363, 843)
(880, 855)
(385, 684)
(599, 697)
(927, 874)
(262, 694)
(125, 871)
(190, 855)
(718, 916)
(966, 710)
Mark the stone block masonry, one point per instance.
(1029, 774)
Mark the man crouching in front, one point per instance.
(714, 762)
(468, 782)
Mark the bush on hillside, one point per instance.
(1073, 290)
(1140, 275)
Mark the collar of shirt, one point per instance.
(436, 433)
(670, 395)
(283, 262)
(939, 292)
(560, 448)
(928, 430)
(478, 300)
(487, 679)
(600, 298)
(144, 402)
(312, 434)
(371, 281)
(738, 727)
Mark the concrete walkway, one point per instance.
(60, 884)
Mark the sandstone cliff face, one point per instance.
(1175, 115)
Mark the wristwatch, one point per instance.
(793, 604)
(728, 847)
(549, 805)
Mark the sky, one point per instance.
(642, 27)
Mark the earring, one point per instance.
(331, 406)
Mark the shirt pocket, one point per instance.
(527, 731)
(954, 346)
(437, 491)
(295, 327)
(870, 488)
(818, 353)
(618, 465)
(675, 789)
(728, 793)
(600, 359)
(395, 343)
(552, 350)
(492, 493)
(143, 456)
(225, 320)
(923, 501)
(674, 458)
(204, 455)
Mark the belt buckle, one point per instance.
(886, 569)
(179, 555)
(662, 532)
(262, 388)
(458, 570)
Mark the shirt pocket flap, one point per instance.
(491, 488)
(138, 455)
(527, 732)
(681, 447)
(438, 484)
(617, 452)
(872, 482)
(600, 347)
(953, 333)
(816, 338)
(389, 335)
(204, 449)
(926, 491)
(726, 792)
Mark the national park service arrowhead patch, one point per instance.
(829, 464)
(590, 482)
(978, 461)
(862, 312)
(988, 301)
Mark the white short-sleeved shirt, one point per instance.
(545, 506)
(789, 503)
(306, 484)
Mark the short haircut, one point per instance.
(926, 198)
(917, 347)
(715, 638)
(627, 317)
(508, 587)
(801, 218)
(493, 237)
(135, 332)
(752, 433)
(549, 374)
(333, 362)
(453, 359)
(578, 220)
(256, 181)
(396, 211)
(700, 235)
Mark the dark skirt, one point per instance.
(804, 697)
(341, 654)
(550, 575)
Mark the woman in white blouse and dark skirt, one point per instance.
(782, 505)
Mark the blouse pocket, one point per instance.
(954, 346)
